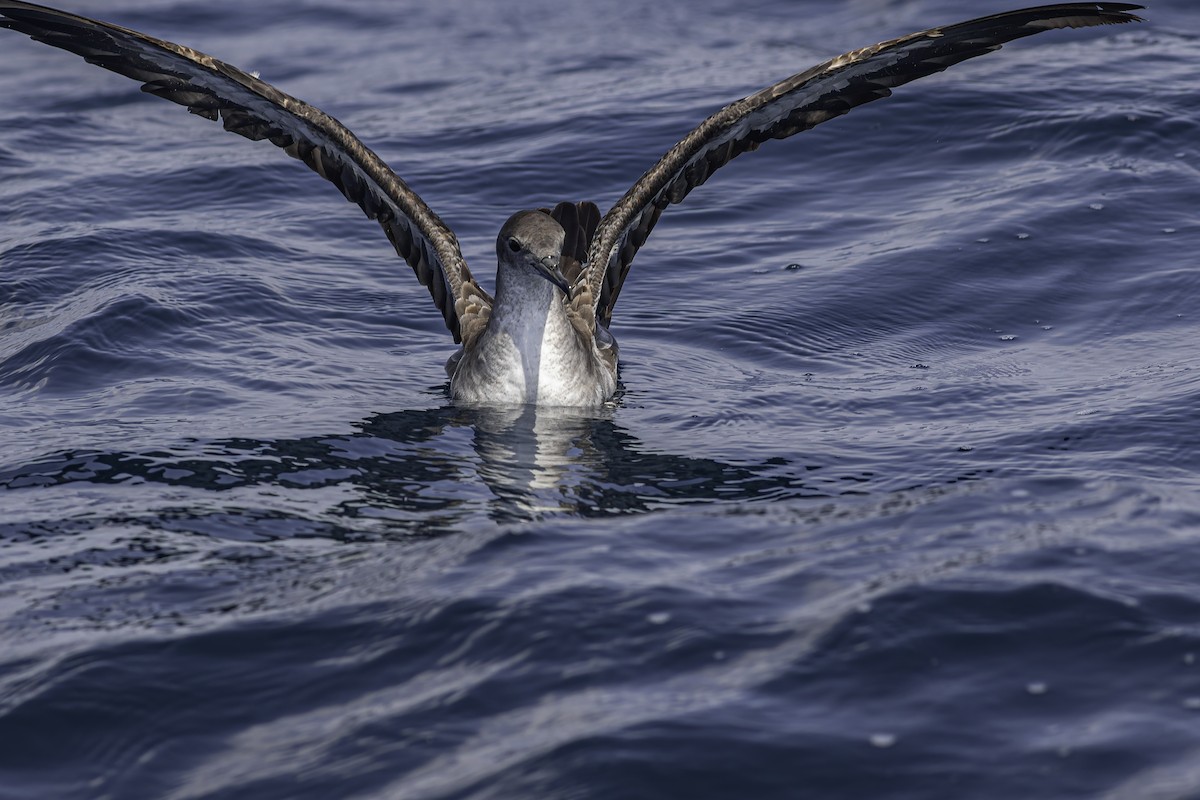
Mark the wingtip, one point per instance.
(1081, 15)
(1123, 11)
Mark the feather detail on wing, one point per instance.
(801, 102)
(253, 108)
(579, 222)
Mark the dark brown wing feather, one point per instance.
(801, 102)
(253, 108)
(579, 222)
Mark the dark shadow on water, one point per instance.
(410, 473)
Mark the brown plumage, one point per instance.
(596, 252)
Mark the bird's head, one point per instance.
(530, 243)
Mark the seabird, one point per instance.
(544, 337)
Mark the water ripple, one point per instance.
(898, 497)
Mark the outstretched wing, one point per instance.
(801, 102)
(255, 109)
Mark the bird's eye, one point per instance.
(514, 245)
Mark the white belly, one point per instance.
(553, 370)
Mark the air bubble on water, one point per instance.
(659, 618)
(1096, 206)
(883, 740)
(1047, 327)
(1008, 337)
(983, 240)
(1022, 235)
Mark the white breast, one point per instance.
(521, 364)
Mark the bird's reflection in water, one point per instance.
(535, 460)
(411, 472)
(542, 460)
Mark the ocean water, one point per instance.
(901, 497)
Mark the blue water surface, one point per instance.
(900, 498)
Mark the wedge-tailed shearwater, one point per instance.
(544, 337)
